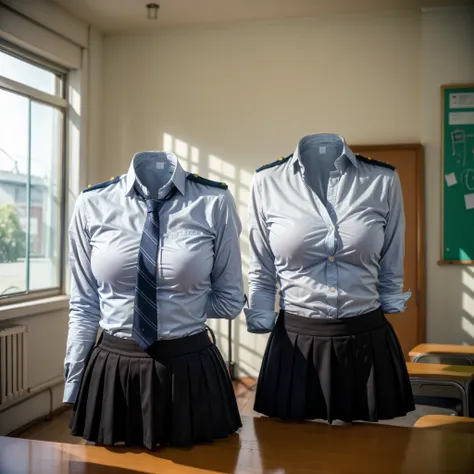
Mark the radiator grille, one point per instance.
(13, 376)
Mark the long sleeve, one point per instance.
(84, 308)
(226, 298)
(261, 314)
(392, 298)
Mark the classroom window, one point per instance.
(32, 157)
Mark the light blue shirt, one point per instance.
(327, 228)
(199, 262)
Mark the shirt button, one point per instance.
(332, 290)
(331, 259)
(331, 227)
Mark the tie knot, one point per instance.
(153, 205)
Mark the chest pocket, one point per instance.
(186, 239)
(187, 257)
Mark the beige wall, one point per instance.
(45, 355)
(232, 98)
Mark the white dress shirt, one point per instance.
(199, 262)
(328, 229)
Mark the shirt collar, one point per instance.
(321, 139)
(178, 177)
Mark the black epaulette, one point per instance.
(371, 161)
(207, 182)
(104, 184)
(280, 161)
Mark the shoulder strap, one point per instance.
(280, 161)
(371, 161)
(206, 182)
(104, 184)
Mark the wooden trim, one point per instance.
(24, 297)
(420, 252)
(420, 219)
(465, 85)
(441, 260)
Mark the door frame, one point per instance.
(420, 293)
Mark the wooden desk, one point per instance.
(457, 378)
(459, 373)
(463, 351)
(460, 424)
(263, 445)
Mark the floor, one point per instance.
(57, 428)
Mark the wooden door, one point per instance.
(408, 160)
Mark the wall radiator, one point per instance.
(13, 376)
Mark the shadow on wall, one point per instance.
(247, 349)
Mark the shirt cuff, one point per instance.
(394, 303)
(228, 309)
(259, 321)
(71, 390)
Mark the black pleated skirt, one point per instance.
(349, 369)
(179, 395)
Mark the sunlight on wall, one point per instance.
(247, 348)
(187, 155)
(468, 304)
(467, 327)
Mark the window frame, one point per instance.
(60, 102)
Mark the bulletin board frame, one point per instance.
(447, 179)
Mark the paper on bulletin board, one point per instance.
(469, 200)
(451, 179)
(461, 118)
(461, 100)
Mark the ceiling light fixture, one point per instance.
(152, 11)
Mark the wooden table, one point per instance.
(262, 445)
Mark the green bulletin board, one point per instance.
(457, 166)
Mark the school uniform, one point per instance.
(327, 229)
(153, 254)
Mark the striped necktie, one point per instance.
(145, 313)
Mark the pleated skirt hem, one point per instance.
(178, 399)
(337, 369)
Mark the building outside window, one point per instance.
(32, 160)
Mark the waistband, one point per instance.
(164, 349)
(332, 327)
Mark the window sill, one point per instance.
(34, 307)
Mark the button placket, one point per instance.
(331, 269)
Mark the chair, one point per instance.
(442, 385)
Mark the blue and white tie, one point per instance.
(145, 313)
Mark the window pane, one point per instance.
(46, 152)
(13, 185)
(28, 74)
(29, 206)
